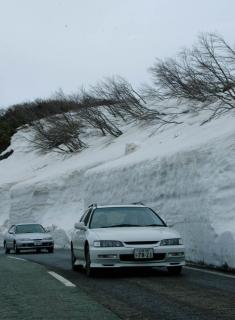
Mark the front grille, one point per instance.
(47, 244)
(141, 242)
(130, 257)
(32, 245)
(27, 244)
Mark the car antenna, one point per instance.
(139, 202)
(92, 205)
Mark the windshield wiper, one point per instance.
(153, 225)
(133, 225)
(122, 225)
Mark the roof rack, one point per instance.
(139, 202)
(92, 205)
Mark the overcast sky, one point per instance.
(52, 44)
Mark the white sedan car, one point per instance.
(125, 236)
(27, 237)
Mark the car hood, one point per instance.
(135, 234)
(33, 236)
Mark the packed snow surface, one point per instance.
(185, 172)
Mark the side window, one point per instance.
(12, 229)
(87, 217)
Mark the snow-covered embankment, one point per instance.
(185, 172)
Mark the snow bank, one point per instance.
(186, 172)
(194, 190)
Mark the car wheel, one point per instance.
(90, 272)
(75, 267)
(175, 270)
(50, 250)
(6, 249)
(17, 251)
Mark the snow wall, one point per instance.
(193, 189)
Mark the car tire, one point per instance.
(50, 250)
(6, 249)
(17, 251)
(90, 272)
(175, 270)
(75, 267)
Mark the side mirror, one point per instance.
(170, 225)
(80, 226)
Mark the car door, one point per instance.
(76, 235)
(81, 235)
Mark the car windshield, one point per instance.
(111, 217)
(29, 228)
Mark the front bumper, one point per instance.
(164, 256)
(29, 245)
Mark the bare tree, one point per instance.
(59, 133)
(121, 102)
(57, 122)
(204, 75)
(120, 99)
(96, 118)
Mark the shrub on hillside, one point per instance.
(58, 133)
(103, 107)
(204, 75)
(57, 122)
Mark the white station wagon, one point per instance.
(125, 236)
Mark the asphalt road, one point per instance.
(29, 292)
(194, 295)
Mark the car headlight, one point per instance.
(49, 238)
(107, 243)
(171, 242)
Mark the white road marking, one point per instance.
(211, 272)
(66, 282)
(10, 257)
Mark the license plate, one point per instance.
(143, 253)
(37, 243)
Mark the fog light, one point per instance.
(107, 256)
(175, 254)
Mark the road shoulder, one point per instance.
(28, 291)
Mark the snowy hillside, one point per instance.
(185, 172)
